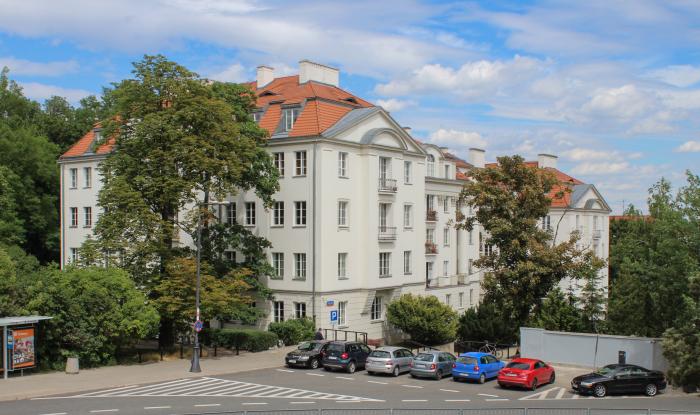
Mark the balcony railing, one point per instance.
(431, 248)
(596, 233)
(387, 233)
(431, 216)
(387, 185)
(430, 282)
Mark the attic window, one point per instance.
(257, 115)
(351, 100)
(289, 117)
(267, 93)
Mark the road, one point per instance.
(284, 388)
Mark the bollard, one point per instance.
(72, 366)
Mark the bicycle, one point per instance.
(491, 349)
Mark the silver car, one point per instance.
(394, 360)
(433, 364)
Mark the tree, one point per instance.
(425, 319)
(559, 312)
(11, 226)
(681, 344)
(63, 124)
(181, 142)
(486, 323)
(526, 263)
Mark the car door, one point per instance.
(363, 352)
(450, 362)
(493, 366)
(484, 366)
(622, 381)
(639, 377)
(404, 359)
(540, 372)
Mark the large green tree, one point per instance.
(526, 263)
(682, 343)
(425, 319)
(181, 142)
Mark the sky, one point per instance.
(610, 87)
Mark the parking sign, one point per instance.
(334, 316)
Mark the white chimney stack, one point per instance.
(477, 157)
(546, 160)
(264, 75)
(407, 130)
(312, 71)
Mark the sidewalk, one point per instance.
(56, 383)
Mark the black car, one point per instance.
(308, 354)
(612, 379)
(345, 355)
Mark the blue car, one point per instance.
(476, 366)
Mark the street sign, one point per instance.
(198, 326)
(334, 316)
(330, 303)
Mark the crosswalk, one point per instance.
(206, 386)
(560, 393)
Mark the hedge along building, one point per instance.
(364, 214)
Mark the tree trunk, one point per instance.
(166, 336)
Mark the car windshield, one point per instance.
(307, 346)
(518, 365)
(424, 357)
(466, 360)
(606, 370)
(336, 347)
(380, 354)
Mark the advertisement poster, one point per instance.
(23, 351)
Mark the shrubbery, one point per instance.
(425, 319)
(294, 331)
(246, 339)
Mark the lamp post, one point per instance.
(195, 353)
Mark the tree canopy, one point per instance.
(425, 319)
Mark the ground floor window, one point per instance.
(300, 310)
(342, 313)
(278, 311)
(377, 308)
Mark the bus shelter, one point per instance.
(18, 342)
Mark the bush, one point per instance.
(246, 339)
(259, 340)
(425, 319)
(486, 323)
(294, 331)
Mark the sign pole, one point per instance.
(5, 369)
(195, 353)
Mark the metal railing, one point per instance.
(502, 350)
(431, 215)
(458, 411)
(387, 233)
(431, 248)
(388, 185)
(358, 336)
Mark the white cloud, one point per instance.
(30, 68)
(233, 73)
(41, 92)
(455, 138)
(600, 168)
(393, 104)
(677, 75)
(689, 147)
(625, 102)
(584, 154)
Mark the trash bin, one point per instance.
(72, 366)
(622, 357)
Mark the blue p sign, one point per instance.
(334, 316)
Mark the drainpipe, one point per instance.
(313, 238)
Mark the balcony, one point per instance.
(431, 216)
(387, 233)
(596, 233)
(387, 185)
(431, 248)
(430, 282)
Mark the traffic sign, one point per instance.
(198, 326)
(334, 316)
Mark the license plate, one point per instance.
(511, 374)
(332, 358)
(292, 361)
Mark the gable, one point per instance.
(373, 127)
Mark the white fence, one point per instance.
(590, 350)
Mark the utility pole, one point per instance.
(195, 353)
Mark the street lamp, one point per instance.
(197, 325)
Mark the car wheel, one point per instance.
(313, 364)
(438, 375)
(600, 391)
(396, 372)
(552, 378)
(534, 384)
(502, 385)
(651, 389)
(328, 369)
(413, 376)
(351, 367)
(369, 372)
(482, 378)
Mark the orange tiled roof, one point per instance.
(83, 145)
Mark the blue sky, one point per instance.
(612, 88)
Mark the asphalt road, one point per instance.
(283, 388)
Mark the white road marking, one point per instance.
(414, 400)
(449, 390)
(457, 400)
(561, 393)
(496, 399)
(576, 396)
(254, 403)
(156, 407)
(378, 383)
(490, 396)
(341, 377)
(347, 401)
(284, 370)
(56, 413)
(412, 386)
(103, 410)
(315, 374)
(202, 405)
(302, 403)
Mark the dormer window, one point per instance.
(431, 165)
(257, 116)
(351, 100)
(289, 117)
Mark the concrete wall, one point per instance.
(590, 350)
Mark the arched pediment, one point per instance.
(384, 137)
(594, 204)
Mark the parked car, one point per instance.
(394, 360)
(433, 364)
(345, 355)
(476, 366)
(620, 379)
(308, 354)
(526, 373)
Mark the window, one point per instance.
(577, 223)
(250, 213)
(230, 256)
(407, 269)
(73, 255)
(300, 166)
(595, 223)
(279, 162)
(471, 237)
(385, 264)
(342, 213)
(446, 236)
(545, 223)
(231, 214)
(278, 264)
(299, 266)
(470, 264)
(87, 211)
(342, 313)
(445, 268)
(431, 165)
(429, 270)
(300, 213)
(343, 164)
(278, 311)
(376, 313)
(407, 172)
(300, 310)
(257, 116)
(289, 116)
(342, 265)
(461, 300)
(471, 296)
(448, 299)
(384, 209)
(384, 167)
(278, 214)
(430, 235)
(73, 178)
(446, 204)
(87, 171)
(447, 171)
(74, 217)
(407, 216)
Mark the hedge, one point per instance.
(246, 339)
(294, 331)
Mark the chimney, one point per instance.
(546, 160)
(312, 71)
(407, 130)
(264, 75)
(477, 157)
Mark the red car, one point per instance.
(526, 373)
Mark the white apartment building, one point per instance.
(364, 214)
